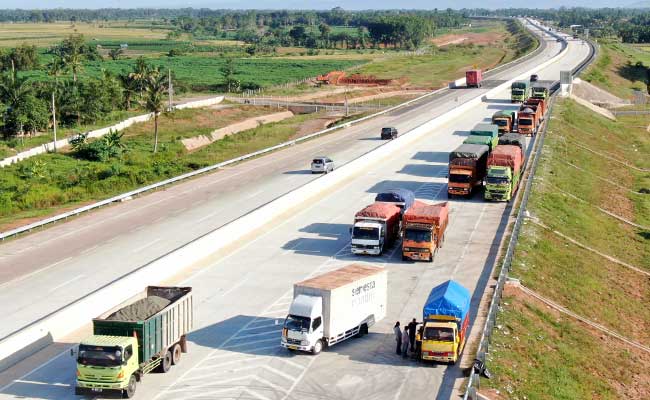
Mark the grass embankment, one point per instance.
(438, 66)
(620, 68)
(538, 353)
(48, 183)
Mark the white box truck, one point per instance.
(334, 307)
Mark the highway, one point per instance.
(241, 297)
(64, 262)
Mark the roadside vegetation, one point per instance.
(538, 352)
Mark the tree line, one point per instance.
(28, 106)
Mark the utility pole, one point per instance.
(170, 87)
(346, 100)
(54, 120)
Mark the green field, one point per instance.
(537, 352)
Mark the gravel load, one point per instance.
(140, 310)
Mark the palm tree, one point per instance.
(155, 88)
(130, 87)
(140, 74)
(73, 62)
(14, 92)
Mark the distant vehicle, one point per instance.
(558, 40)
(534, 78)
(388, 133)
(334, 307)
(322, 165)
(519, 91)
(473, 78)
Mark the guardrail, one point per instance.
(473, 383)
(161, 184)
(72, 316)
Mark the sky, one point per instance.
(305, 4)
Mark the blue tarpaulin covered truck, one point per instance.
(445, 317)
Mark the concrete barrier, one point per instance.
(79, 313)
(48, 147)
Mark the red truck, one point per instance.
(424, 230)
(539, 103)
(474, 78)
(375, 227)
(528, 120)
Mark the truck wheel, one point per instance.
(79, 391)
(176, 354)
(318, 347)
(449, 195)
(130, 390)
(166, 362)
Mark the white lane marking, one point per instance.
(233, 346)
(469, 241)
(89, 249)
(43, 383)
(212, 214)
(69, 281)
(138, 249)
(38, 271)
(250, 196)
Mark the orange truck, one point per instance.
(424, 228)
(528, 120)
(467, 168)
(540, 103)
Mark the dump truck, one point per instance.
(375, 228)
(445, 318)
(519, 91)
(527, 121)
(514, 138)
(145, 335)
(403, 198)
(474, 78)
(334, 307)
(467, 167)
(424, 227)
(505, 120)
(505, 165)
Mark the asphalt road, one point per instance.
(241, 298)
(46, 270)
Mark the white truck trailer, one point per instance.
(334, 307)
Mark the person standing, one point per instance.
(413, 328)
(398, 338)
(405, 342)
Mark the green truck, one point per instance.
(519, 91)
(505, 165)
(148, 334)
(540, 91)
(487, 134)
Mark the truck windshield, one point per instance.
(297, 323)
(439, 334)
(517, 91)
(365, 233)
(526, 122)
(497, 180)
(459, 178)
(501, 122)
(417, 235)
(101, 356)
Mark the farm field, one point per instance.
(538, 352)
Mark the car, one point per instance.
(388, 133)
(558, 40)
(534, 78)
(322, 164)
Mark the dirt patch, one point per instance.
(26, 221)
(466, 38)
(596, 95)
(315, 125)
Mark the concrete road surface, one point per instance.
(241, 298)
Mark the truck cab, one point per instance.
(505, 120)
(519, 91)
(368, 237)
(441, 341)
(527, 122)
(303, 327)
(107, 363)
(498, 183)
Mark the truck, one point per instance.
(334, 307)
(424, 227)
(515, 139)
(445, 318)
(467, 167)
(474, 78)
(403, 198)
(527, 121)
(537, 103)
(375, 228)
(519, 91)
(540, 91)
(487, 130)
(145, 335)
(505, 165)
(505, 120)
